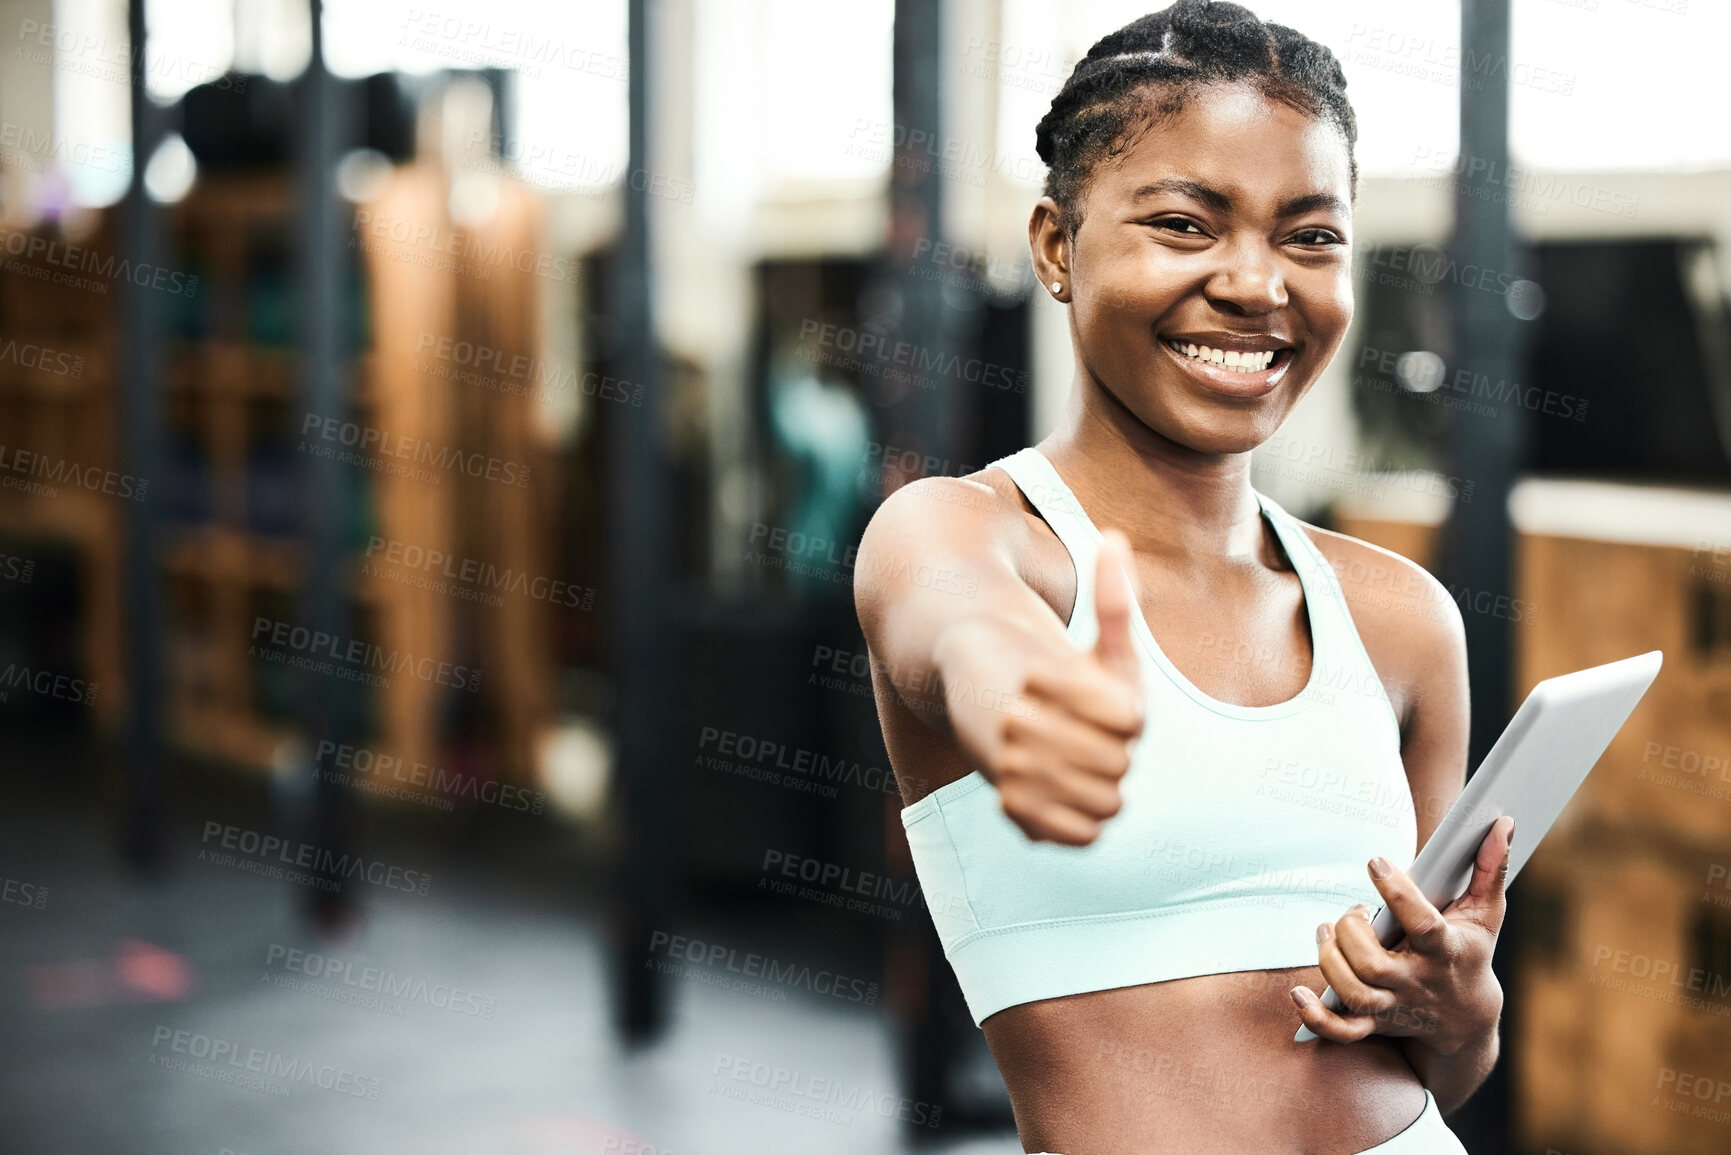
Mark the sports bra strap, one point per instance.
(1054, 501)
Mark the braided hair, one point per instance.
(1106, 105)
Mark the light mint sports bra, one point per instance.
(1242, 827)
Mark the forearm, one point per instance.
(1453, 1076)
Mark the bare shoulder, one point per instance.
(947, 524)
(1410, 624)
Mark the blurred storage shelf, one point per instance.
(231, 494)
(58, 425)
(238, 448)
(1628, 970)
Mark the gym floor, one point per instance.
(173, 1014)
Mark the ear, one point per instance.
(1049, 244)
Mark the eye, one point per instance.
(1183, 226)
(1318, 237)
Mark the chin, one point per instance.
(1210, 429)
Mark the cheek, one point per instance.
(1328, 305)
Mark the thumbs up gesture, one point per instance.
(1057, 763)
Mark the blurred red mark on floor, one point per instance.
(138, 972)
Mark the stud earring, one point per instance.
(1057, 287)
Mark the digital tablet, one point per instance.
(1536, 766)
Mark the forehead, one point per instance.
(1232, 138)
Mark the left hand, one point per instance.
(1437, 984)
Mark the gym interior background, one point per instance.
(433, 442)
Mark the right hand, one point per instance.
(1057, 758)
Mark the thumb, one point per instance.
(1490, 878)
(1114, 594)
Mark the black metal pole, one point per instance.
(1490, 452)
(324, 601)
(920, 310)
(928, 412)
(141, 441)
(639, 543)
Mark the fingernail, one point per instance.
(1379, 867)
(1301, 996)
(1323, 931)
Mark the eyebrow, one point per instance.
(1220, 202)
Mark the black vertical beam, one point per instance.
(324, 602)
(921, 311)
(141, 453)
(1489, 451)
(639, 543)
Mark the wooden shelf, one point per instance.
(237, 369)
(231, 406)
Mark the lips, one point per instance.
(1239, 365)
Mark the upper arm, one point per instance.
(1411, 628)
(938, 551)
(1434, 740)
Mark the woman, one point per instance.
(1177, 762)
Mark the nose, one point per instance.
(1248, 281)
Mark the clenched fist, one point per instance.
(1057, 764)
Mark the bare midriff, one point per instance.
(1194, 1065)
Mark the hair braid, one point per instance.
(1106, 104)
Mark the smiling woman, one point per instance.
(1169, 845)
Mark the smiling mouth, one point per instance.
(1232, 360)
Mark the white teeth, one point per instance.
(1241, 362)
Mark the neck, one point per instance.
(1168, 499)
